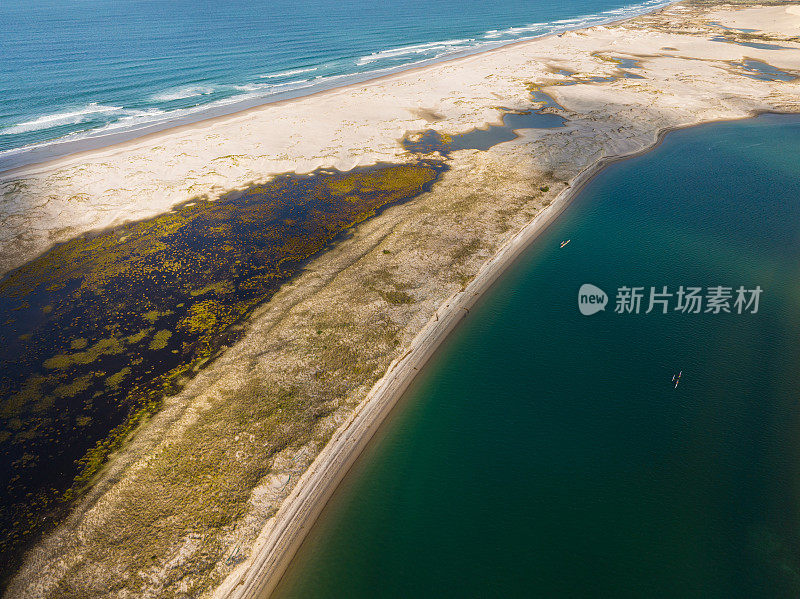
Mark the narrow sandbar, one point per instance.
(330, 338)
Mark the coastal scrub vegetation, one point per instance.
(100, 329)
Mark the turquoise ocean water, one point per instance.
(544, 453)
(85, 68)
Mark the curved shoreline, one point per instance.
(408, 367)
(85, 146)
(609, 123)
(300, 510)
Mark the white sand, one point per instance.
(490, 204)
(778, 20)
(362, 124)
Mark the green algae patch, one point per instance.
(101, 328)
(151, 316)
(109, 346)
(203, 316)
(116, 379)
(79, 343)
(160, 340)
(77, 386)
(138, 337)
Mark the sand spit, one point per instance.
(189, 506)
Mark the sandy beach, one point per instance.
(227, 522)
(312, 492)
(51, 202)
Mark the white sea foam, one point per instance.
(181, 93)
(138, 116)
(495, 37)
(533, 29)
(274, 87)
(287, 73)
(428, 48)
(119, 119)
(72, 117)
(515, 31)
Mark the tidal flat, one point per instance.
(97, 331)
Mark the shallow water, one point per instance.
(757, 45)
(627, 63)
(483, 139)
(764, 72)
(544, 100)
(546, 453)
(741, 29)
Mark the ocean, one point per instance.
(545, 453)
(104, 70)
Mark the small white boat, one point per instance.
(563, 243)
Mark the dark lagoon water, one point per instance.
(99, 329)
(548, 454)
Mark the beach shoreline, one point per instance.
(258, 143)
(315, 488)
(311, 494)
(94, 145)
(444, 251)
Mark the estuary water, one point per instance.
(87, 68)
(545, 453)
